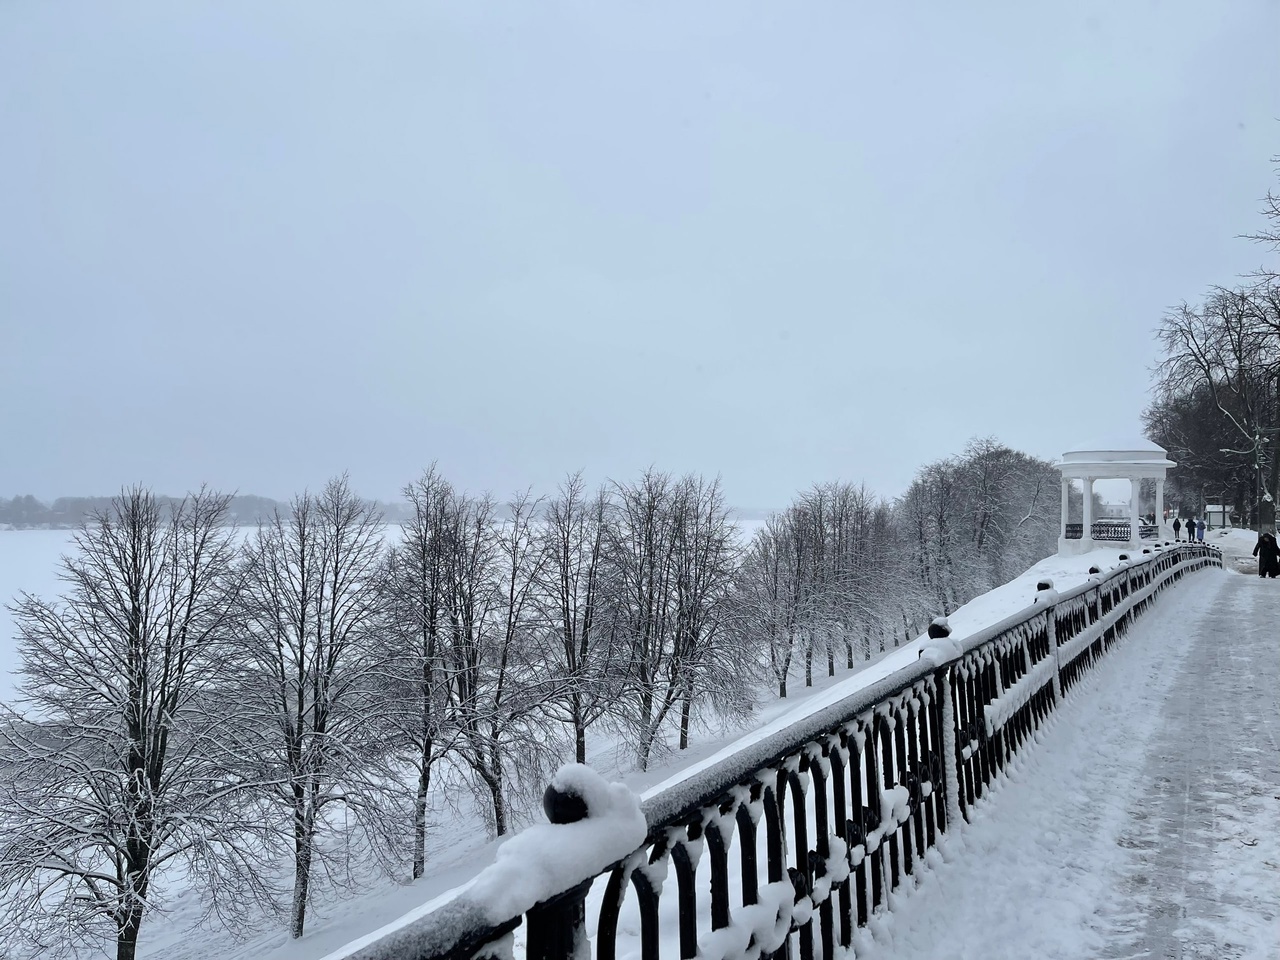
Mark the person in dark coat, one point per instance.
(1268, 553)
(1177, 529)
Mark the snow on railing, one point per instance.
(836, 811)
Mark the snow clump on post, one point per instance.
(940, 647)
(594, 825)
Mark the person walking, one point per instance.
(1177, 530)
(1200, 529)
(1268, 553)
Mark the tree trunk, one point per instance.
(137, 863)
(686, 702)
(579, 730)
(782, 688)
(493, 780)
(499, 810)
(644, 747)
(127, 933)
(420, 815)
(303, 838)
(648, 732)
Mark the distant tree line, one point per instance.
(25, 512)
(263, 715)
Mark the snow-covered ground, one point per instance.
(1122, 702)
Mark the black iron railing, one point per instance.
(1111, 530)
(824, 819)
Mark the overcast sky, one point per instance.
(255, 244)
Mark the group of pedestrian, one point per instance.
(1195, 530)
(1268, 553)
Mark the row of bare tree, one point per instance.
(206, 703)
(841, 574)
(1216, 392)
(201, 697)
(1216, 399)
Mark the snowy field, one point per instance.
(1061, 828)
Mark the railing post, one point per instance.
(557, 928)
(940, 629)
(1045, 587)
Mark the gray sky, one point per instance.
(259, 243)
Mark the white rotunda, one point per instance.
(1128, 460)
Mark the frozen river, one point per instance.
(29, 561)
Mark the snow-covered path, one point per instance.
(1147, 821)
(1194, 890)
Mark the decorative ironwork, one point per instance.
(1110, 530)
(842, 806)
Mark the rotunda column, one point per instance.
(1134, 486)
(1087, 515)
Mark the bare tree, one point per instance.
(928, 524)
(417, 588)
(641, 548)
(833, 572)
(1220, 346)
(492, 651)
(704, 566)
(764, 607)
(857, 579)
(107, 775)
(670, 566)
(812, 512)
(309, 686)
(1228, 348)
(968, 524)
(1269, 235)
(579, 653)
